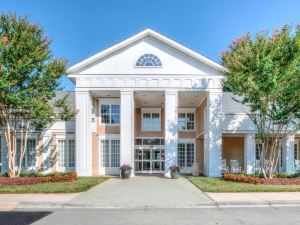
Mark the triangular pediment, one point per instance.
(122, 58)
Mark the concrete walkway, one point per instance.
(144, 191)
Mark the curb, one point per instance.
(215, 205)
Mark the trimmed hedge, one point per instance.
(36, 178)
(241, 178)
(279, 179)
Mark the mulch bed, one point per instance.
(21, 180)
(281, 181)
(68, 177)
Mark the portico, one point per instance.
(152, 125)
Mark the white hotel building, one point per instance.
(150, 102)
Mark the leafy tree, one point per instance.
(29, 79)
(265, 70)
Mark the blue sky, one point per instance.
(81, 28)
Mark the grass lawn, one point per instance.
(80, 185)
(209, 184)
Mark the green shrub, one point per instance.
(281, 175)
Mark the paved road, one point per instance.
(245, 216)
(21, 218)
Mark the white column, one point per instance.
(249, 153)
(288, 154)
(171, 129)
(83, 134)
(213, 135)
(127, 128)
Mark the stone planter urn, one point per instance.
(175, 171)
(125, 171)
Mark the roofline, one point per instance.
(147, 32)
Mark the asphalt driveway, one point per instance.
(143, 191)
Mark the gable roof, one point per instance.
(230, 106)
(148, 32)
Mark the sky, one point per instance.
(81, 28)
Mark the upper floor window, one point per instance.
(186, 121)
(110, 113)
(151, 119)
(148, 60)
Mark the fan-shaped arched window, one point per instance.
(148, 60)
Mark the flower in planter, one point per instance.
(175, 168)
(125, 171)
(175, 171)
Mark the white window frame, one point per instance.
(186, 142)
(258, 149)
(110, 102)
(110, 139)
(26, 167)
(296, 143)
(65, 168)
(187, 111)
(150, 111)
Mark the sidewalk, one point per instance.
(13, 201)
(256, 198)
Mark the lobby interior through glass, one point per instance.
(149, 155)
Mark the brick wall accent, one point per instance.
(95, 154)
(200, 117)
(233, 148)
(200, 154)
(186, 134)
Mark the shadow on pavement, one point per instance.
(21, 218)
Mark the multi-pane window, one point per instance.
(110, 153)
(66, 153)
(110, 113)
(186, 121)
(189, 154)
(29, 159)
(258, 149)
(105, 153)
(148, 60)
(186, 154)
(115, 153)
(151, 122)
(181, 154)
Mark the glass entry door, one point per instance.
(149, 159)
